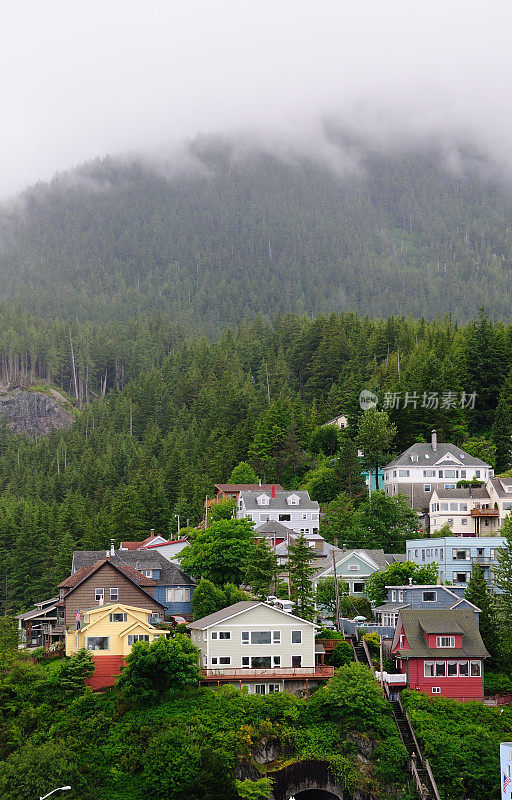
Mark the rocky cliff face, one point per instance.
(35, 413)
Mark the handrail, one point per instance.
(414, 773)
(367, 652)
(432, 780)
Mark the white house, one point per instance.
(479, 511)
(425, 467)
(294, 509)
(256, 645)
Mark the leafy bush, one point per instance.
(152, 669)
(342, 654)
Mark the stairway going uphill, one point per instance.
(418, 764)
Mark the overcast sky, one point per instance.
(81, 79)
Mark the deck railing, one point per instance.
(283, 673)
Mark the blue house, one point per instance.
(174, 588)
(456, 555)
(421, 598)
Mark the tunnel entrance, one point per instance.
(306, 780)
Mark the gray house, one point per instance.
(427, 598)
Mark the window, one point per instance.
(276, 637)
(428, 473)
(463, 521)
(304, 516)
(475, 670)
(449, 473)
(358, 588)
(427, 487)
(273, 687)
(284, 517)
(463, 473)
(114, 595)
(440, 669)
(177, 595)
(224, 634)
(429, 597)
(428, 669)
(449, 486)
(463, 506)
(440, 473)
(261, 637)
(454, 506)
(261, 662)
(463, 669)
(245, 637)
(147, 572)
(353, 567)
(477, 473)
(277, 661)
(394, 473)
(118, 617)
(293, 500)
(400, 596)
(224, 660)
(414, 457)
(461, 555)
(450, 520)
(403, 473)
(452, 669)
(436, 690)
(259, 688)
(445, 641)
(138, 637)
(296, 661)
(393, 595)
(245, 662)
(460, 577)
(444, 506)
(264, 517)
(97, 642)
(99, 595)
(296, 637)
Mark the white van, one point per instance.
(285, 605)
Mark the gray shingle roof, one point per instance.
(427, 457)
(499, 484)
(170, 573)
(272, 527)
(441, 621)
(224, 613)
(279, 501)
(478, 493)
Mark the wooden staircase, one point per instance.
(419, 766)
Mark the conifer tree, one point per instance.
(502, 435)
(477, 592)
(261, 570)
(300, 571)
(348, 469)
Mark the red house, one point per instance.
(441, 652)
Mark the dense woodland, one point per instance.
(224, 229)
(179, 414)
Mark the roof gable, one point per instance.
(237, 609)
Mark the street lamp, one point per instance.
(58, 789)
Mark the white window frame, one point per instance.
(114, 597)
(443, 642)
(436, 690)
(170, 594)
(428, 591)
(99, 594)
(300, 637)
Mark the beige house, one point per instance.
(112, 629)
(479, 511)
(256, 645)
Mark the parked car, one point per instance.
(285, 605)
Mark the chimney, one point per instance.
(112, 548)
(152, 533)
(107, 554)
(434, 440)
(273, 491)
(410, 581)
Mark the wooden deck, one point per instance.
(320, 672)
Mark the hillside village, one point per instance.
(303, 604)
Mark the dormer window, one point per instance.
(445, 641)
(414, 457)
(262, 500)
(293, 500)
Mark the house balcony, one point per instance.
(485, 561)
(320, 672)
(393, 680)
(485, 512)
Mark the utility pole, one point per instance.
(336, 592)
(178, 518)
(288, 554)
(206, 512)
(381, 666)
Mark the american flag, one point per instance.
(506, 781)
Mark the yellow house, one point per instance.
(109, 631)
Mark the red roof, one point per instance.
(162, 544)
(80, 575)
(136, 545)
(247, 487)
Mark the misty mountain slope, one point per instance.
(234, 235)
